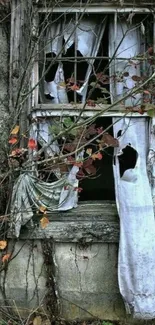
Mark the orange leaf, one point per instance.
(3, 244)
(42, 209)
(13, 140)
(74, 87)
(44, 222)
(6, 257)
(15, 130)
(97, 156)
(32, 144)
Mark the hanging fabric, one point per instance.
(88, 33)
(125, 39)
(136, 262)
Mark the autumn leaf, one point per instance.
(108, 140)
(78, 189)
(146, 92)
(15, 130)
(42, 208)
(6, 257)
(3, 244)
(74, 87)
(37, 320)
(96, 156)
(88, 166)
(44, 222)
(32, 144)
(13, 140)
(89, 151)
(78, 163)
(99, 130)
(90, 102)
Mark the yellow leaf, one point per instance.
(42, 209)
(15, 130)
(6, 257)
(44, 222)
(3, 244)
(89, 151)
(37, 320)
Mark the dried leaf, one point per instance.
(37, 320)
(3, 244)
(89, 151)
(32, 144)
(96, 156)
(78, 189)
(6, 257)
(88, 166)
(13, 140)
(74, 87)
(42, 208)
(108, 140)
(15, 130)
(44, 222)
(90, 102)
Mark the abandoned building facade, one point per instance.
(77, 96)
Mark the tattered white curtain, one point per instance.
(136, 265)
(88, 34)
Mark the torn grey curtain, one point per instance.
(88, 35)
(29, 193)
(124, 42)
(136, 263)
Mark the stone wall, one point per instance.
(69, 268)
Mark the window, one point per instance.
(87, 62)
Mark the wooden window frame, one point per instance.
(46, 109)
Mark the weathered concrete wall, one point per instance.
(71, 264)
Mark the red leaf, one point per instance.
(99, 130)
(74, 87)
(97, 156)
(88, 166)
(32, 144)
(6, 257)
(91, 102)
(13, 140)
(108, 140)
(78, 189)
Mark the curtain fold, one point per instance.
(127, 42)
(88, 33)
(136, 262)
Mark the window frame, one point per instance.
(47, 109)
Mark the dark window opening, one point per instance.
(100, 186)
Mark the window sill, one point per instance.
(47, 110)
(90, 222)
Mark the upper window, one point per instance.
(93, 58)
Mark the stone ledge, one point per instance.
(89, 222)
